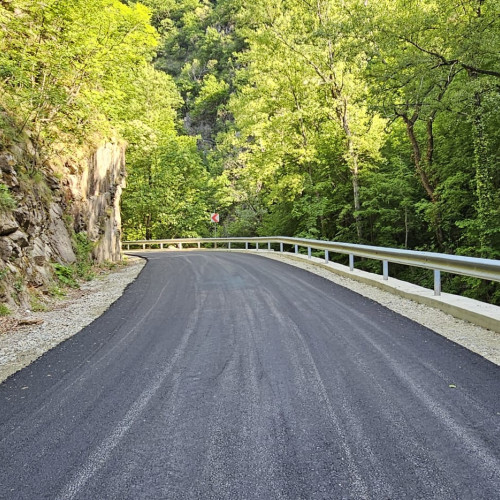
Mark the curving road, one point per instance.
(231, 376)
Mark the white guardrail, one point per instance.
(487, 269)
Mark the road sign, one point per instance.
(214, 217)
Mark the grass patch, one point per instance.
(56, 292)
(4, 310)
(36, 304)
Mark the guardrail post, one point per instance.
(199, 245)
(269, 246)
(385, 269)
(281, 247)
(180, 246)
(257, 246)
(161, 246)
(327, 256)
(144, 246)
(246, 245)
(229, 245)
(296, 248)
(437, 282)
(308, 252)
(351, 262)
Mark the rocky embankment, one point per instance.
(46, 206)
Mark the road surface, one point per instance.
(231, 376)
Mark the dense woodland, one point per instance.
(374, 122)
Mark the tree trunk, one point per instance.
(417, 159)
(407, 227)
(421, 171)
(149, 234)
(354, 168)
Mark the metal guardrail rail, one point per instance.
(487, 269)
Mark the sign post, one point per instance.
(214, 218)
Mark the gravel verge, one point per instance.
(24, 338)
(484, 342)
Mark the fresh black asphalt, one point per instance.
(230, 376)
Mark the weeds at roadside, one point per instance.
(36, 304)
(4, 310)
(83, 247)
(65, 275)
(57, 292)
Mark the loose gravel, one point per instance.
(22, 344)
(26, 337)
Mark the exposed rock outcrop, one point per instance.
(95, 196)
(65, 197)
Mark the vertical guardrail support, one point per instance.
(296, 248)
(269, 245)
(257, 246)
(199, 245)
(327, 256)
(437, 282)
(229, 245)
(385, 269)
(309, 252)
(246, 245)
(144, 246)
(281, 247)
(351, 262)
(180, 246)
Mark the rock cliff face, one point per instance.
(67, 197)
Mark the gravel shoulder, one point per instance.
(484, 342)
(24, 338)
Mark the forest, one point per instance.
(373, 122)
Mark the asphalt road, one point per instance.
(231, 376)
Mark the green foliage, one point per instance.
(213, 93)
(68, 67)
(65, 275)
(56, 291)
(169, 194)
(4, 310)
(83, 251)
(19, 285)
(199, 41)
(7, 201)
